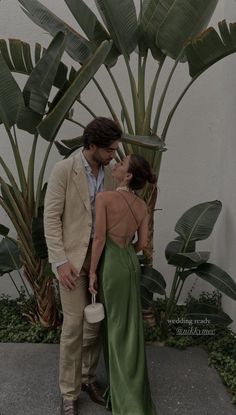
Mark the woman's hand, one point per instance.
(93, 282)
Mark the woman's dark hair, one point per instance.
(141, 172)
(101, 132)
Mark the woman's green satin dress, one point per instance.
(124, 346)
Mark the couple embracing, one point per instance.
(92, 214)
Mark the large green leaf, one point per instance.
(152, 280)
(147, 28)
(218, 278)
(9, 256)
(77, 46)
(146, 297)
(189, 259)
(18, 56)
(39, 84)
(208, 48)
(213, 315)
(149, 141)
(10, 95)
(170, 23)
(176, 246)
(51, 124)
(121, 21)
(197, 222)
(92, 27)
(69, 145)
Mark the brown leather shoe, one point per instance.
(94, 392)
(69, 407)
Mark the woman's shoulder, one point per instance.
(106, 195)
(141, 202)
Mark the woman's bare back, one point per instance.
(124, 214)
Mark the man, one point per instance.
(69, 227)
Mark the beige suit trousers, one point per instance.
(80, 342)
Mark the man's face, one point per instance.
(104, 155)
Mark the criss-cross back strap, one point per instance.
(128, 210)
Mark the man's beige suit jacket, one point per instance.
(67, 211)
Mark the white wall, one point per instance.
(200, 162)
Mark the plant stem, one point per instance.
(113, 114)
(18, 161)
(76, 122)
(41, 176)
(17, 289)
(122, 102)
(171, 113)
(17, 194)
(141, 82)
(30, 195)
(163, 95)
(136, 105)
(87, 108)
(147, 119)
(172, 293)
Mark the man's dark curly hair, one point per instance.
(101, 132)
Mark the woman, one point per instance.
(119, 215)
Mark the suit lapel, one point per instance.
(80, 179)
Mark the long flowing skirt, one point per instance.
(124, 347)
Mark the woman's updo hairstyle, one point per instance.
(141, 172)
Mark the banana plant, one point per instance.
(164, 29)
(196, 224)
(22, 197)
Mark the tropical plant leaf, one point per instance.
(176, 246)
(197, 222)
(73, 142)
(77, 46)
(4, 230)
(39, 241)
(92, 27)
(170, 23)
(218, 278)
(210, 312)
(146, 297)
(121, 21)
(27, 119)
(149, 141)
(38, 86)
(63, 150)
(9, 256)
(52, 122)
(208, 48)
(69, 146)
(10, 95)
(189, 259)
(147, 29)
(143, 260)
(27, 51)
(152, 280)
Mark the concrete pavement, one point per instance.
(181, 382)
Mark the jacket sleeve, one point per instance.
(53, 211)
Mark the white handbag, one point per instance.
(94, 312)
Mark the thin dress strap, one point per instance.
(130, 209)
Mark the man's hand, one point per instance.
(67, 275)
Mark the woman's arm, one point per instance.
(142, 241)
(98, 240)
